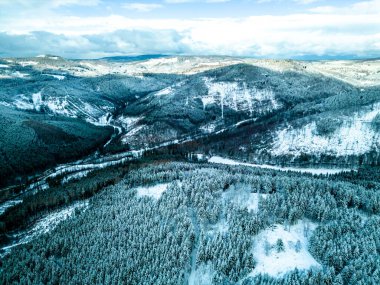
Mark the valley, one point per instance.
(239, 168)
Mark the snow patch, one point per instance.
(242, 197)
(37, 100)
(208, 128)
(22, 102)
(131, 133)
(27, 63)
(165, 91)
(8, 204)
(203, 275)
(207, 100)
(75, 176)
(128, 122)
(354, 137)
(317, 171)
(239, 97)
(219, 227)
(6, 104)
(152, 191)
(59, 77)
(295, 254)
(18, 74)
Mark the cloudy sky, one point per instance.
(256, 28)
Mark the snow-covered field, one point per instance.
(295, 253)
(152, 191)
(317, 171)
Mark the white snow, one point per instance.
(128, 122)
(6, 104)
(58, 105)
(276, 263)
(221, 160)
(152, 191)
(59, 77)
(354, 137)
(219, 227)
(203, 275)
(27, 63)
(165, 91)
(125, 139)
(252, 203)
(207, 100)
(18, 74)
(239, 97)
(240, 195)
(75, 176)
(23, 103)
(208, 128)
(8, 204)
(37, 100)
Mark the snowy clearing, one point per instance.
(219, 227)
(238, 97)
(317, 171)
(241, 196)
(152, 191)
(203, 275)
(294, 255)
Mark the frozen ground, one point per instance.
(222, 160)
(295, 254)
(152, 191)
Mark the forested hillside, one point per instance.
(179, 223)
(31, 142)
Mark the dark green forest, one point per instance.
(32, 142)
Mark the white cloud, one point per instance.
(55, 3)
(353, 30)
(302, 2)
(195, 1)
(305, 2)
(358, 8)
(142, 7)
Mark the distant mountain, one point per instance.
(272, 111)
(133, 58)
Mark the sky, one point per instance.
(292, 29)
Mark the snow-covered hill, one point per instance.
(263, 110)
